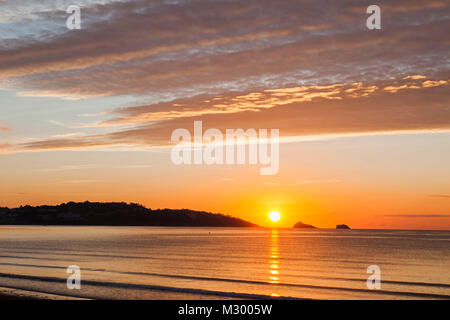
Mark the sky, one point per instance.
(363, 115)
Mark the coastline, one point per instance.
(7, 293)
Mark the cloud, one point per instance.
(417, 215)
(71, 167)
(415, 77)
(272, 183)
(214, 46)
(337, 109)
(308, 68)
(254, 101)
(136, 166)
(80, 181)
(4, 146)
(67, 135)
(440, 196)
(56, 123)
(317, 181)
(4, 128)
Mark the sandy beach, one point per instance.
(19, 294)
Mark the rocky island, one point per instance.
(343, 226)
(301, 225)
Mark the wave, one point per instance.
(266, 283)
(406, 283)
(122, 285)
(232, 294)
(198, 257)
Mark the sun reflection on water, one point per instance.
(274, 265)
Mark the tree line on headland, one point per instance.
(114, 214)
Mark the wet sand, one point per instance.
(19, 294)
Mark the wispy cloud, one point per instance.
(317, 181)
(56, 123)
(71, 167)
(136, 166)
(440, 196)
(4, 146)
(331, 110)
(81, 181)
(67, 135)
(417, 215)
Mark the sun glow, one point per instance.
(274, 216)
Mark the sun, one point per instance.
(274, 216)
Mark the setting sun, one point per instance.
(274, 216)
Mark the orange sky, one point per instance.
(366, 182)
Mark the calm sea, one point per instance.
(222, 263)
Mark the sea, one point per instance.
(223, 263)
